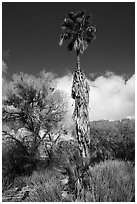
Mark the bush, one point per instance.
(112, 140)
(112, 181)
(15, 162)
(46, 187)
(64, 151)
(16, 159)
(41, 186)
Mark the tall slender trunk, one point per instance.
(80, 93)
(78, 60)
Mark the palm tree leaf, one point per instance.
(67, 23)
(77, 27)
(64, 37)
(61, 40)
(71, 15)
(80, 14)
(67, 36)
(71, 45)
(90, 32)
(83, 46)
(88, 21)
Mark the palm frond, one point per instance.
(67, 24)
(83, 46)
(89, 34)
(71, 45)
(88, 21)
(64, 37)
(80, 14)
(71, 15)
(77, 27)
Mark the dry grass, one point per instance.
(46, 187)
(112, 181)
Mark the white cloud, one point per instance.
(111, 99)
(64, 84)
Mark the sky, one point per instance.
(30, 43)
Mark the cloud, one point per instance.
(64, 84)
(112, 98)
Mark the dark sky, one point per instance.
(31, 32)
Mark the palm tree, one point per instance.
(79, 32)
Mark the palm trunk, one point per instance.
(78, 60)
(80, 93)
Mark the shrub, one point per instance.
(64, 151)
(112, 181)
(46, 187)
(41, 186)
(15, 159)
(112, 140)
(15, 162)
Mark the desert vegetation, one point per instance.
(97, 164)
(43, 164)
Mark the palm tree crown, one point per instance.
(78, 30)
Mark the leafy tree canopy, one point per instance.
(33, 103)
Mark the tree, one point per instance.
(78, 30)
(34, 105)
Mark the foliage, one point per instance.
(109, 181)
(112, 140)
(33, 103)
(105, 138)
(108, 140)
(46, 187)
(125, 140)
(77, 177)
(32, 111)
(78, 30)
(15, 161)
(112, 181)
(64, 152)
(41, 186)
